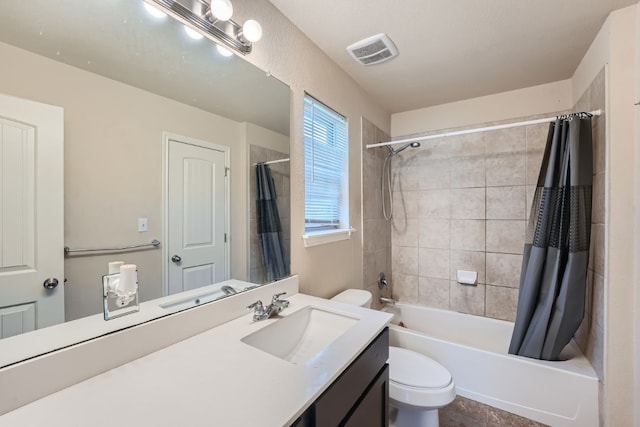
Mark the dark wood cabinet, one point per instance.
(360, 395)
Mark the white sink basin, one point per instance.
(300, 336)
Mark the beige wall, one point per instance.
(492, 108)
(290, 56)
(113, 168)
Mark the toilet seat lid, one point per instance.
(416, 370)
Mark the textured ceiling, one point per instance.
(454, 49)
(120, 40)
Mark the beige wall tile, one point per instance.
(468, 235)
(467, 203)
(434, 204)
(433, 292)
(506, 202)
(599, 144)
(597, 248)
(434, 263)
(405, 260)
(405, 288)
(434, 233)
(467, 172)
(506, 169)
(404, 232)
(377, 235)
(598, 200)
(536, 137)
(406, 204)
(467, 299)
(506, 236)
(504, 269)
(533, 164)
(510, 140)
(598, 300)
(531, 192)
(501, 302)
(437, 148)
(472, 144)
(404, 176)
(469, 261)
(434, 174)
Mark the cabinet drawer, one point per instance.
(335, 403)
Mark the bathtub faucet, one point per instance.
(385, 300)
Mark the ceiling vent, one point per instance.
(373, 50)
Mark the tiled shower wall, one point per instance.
(377, 231)
(463, 202)
(280, 174)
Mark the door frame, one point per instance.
(166, 137)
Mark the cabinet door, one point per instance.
(373, 409)
(337, 402)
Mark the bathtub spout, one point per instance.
(384, 300)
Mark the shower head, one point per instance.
(414, 144)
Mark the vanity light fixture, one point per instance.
(223, 51)
(212, 19)
(193, 34)
(154, 11)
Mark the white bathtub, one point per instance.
(474, 350)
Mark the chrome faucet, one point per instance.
(228, 290)
(261, 312)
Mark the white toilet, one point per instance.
(418, 385)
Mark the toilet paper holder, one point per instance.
(465, 277)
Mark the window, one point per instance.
(326, 169)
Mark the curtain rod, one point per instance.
(270, 162)
(466, 131)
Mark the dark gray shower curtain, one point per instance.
(556, 253)
(269, 230)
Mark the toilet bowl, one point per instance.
(418, 385)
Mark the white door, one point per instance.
(31, 216)
(197, 212)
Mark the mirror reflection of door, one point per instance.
(197, 212)
(31, 216)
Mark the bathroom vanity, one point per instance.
(360, 396)
(319, 363)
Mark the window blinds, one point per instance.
(325, 165)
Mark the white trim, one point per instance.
(315, 238)
(474, 130)
(166, 136)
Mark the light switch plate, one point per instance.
(143, 224)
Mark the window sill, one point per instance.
(316, 238)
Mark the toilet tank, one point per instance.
(358, 297)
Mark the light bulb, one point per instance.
(192, 33)
(251, 30)
(221, 9)
(224, 51)
(154, 11)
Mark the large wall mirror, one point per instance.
(131, 87)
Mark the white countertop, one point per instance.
(211, 379)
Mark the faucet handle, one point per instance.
(276, 297)
(257, 305)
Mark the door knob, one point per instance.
(50, 283)
(176, 259)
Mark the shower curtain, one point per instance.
(556, 253)
(269, 230)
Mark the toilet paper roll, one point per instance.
(128, 279)
(467, 277)
(114, 267)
